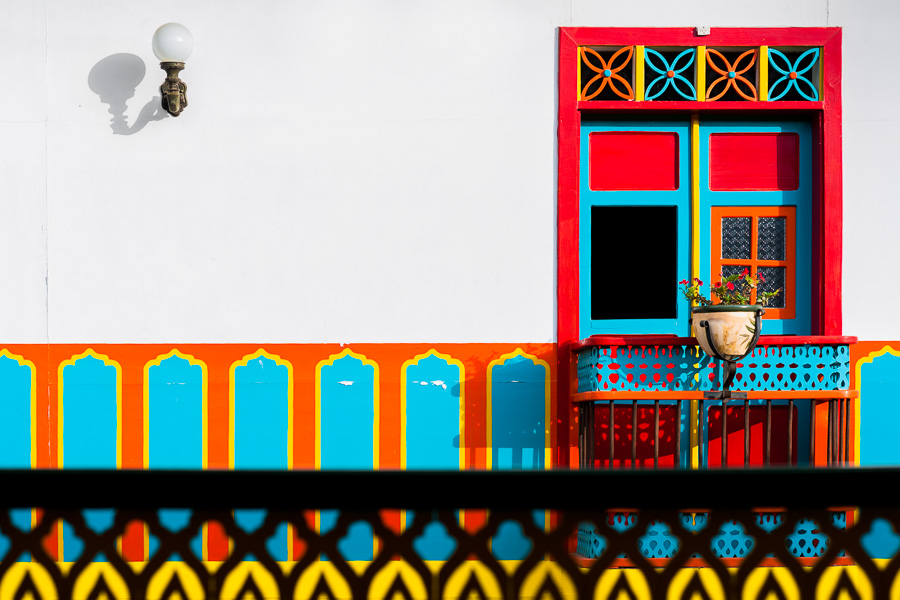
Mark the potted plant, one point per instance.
(727, 328)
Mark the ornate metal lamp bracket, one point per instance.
(173, 90)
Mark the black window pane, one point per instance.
(774, 280)
(634, 262)
(736, 237)
(772, 240)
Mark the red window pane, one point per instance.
(754, 161)
(633, 160)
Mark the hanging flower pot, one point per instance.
(727, 331)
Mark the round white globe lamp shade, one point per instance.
(173, 42)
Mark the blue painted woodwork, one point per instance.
(805, 367)
(174, 426)
(658, 541)
(432, 432)
(261, 413)
(881, 541)
(89, 435)
(510, 541)
(732, 540)
(432, 414)
(518, 402)
(15, 414)
(879, 411)
(518, 405)
(175, 415)
(435, 543)
(176, 519)
(89, 431)
(21, 520)
(618, 257)
(798, 68)
(347, 414)
(658, 63)
(801, 198)
(347, 394)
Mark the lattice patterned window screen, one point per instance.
(762, 240)
(736, 237)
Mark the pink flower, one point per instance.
(730, 286)
(683, 282)
(761, 278)
(746, 272)
(718, 284)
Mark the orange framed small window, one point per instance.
(763, 240)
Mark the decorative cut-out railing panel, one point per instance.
(606, 363)
(827, 533)
(734, 538)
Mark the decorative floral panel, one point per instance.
(793, 74)
(670, 74)
(606, 73)
(679, 74)
(731, 74)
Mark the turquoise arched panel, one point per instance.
(347, 388)
(15, 428)
(432, 414)
(175, 415)
(175, 423)
(89, 425)
(15, 414)
(89, 398)
(261, 422)
(518, 405)
(432, 433)
(261, 415)
(879, 411)
(518, 400)
(347, 413)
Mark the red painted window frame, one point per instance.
(824, 115)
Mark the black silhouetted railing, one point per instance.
(508, 534)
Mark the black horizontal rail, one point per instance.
(795, 488)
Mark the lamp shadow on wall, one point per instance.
(115, 80)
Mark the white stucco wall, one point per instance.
(367, 171)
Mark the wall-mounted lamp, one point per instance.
(172, 45)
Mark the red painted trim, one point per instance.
(827, 181)
(567, 242)
(832, 199)
(671, 340)
(567, 208)
(684, 36)
(827, 251)
(628, 395)
(619, 105)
